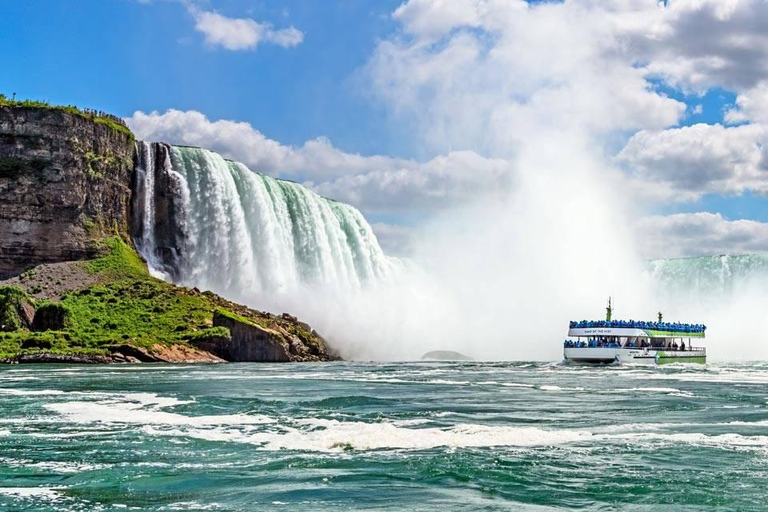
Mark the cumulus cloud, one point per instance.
(705, 43)
(445, 181)
(700, 234)
(751, 105)
(498, 76)
(488, 75)
(373, 183)
(699, 159)
(316, 159)
(485, 74)
(241, 33)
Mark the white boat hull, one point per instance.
(608, 355)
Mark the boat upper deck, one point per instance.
(636, 328)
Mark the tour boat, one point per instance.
(629, 341)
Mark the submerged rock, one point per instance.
(446, 355)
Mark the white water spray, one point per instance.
(497, 280)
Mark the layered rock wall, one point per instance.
(248, 342)
(64, 183)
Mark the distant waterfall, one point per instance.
(710, 276)
(204, 221)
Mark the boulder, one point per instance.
(248, 342)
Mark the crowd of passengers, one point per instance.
(655, 326)
(609, 343)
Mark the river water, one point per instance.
(407, 436)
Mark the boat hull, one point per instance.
(609, 355)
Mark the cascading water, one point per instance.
(710, 275)
(204, 221)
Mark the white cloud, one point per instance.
(700, 234)
(706, 43)
(373, 183)
(700, 159)
(242, 33)
(434, 17)
(443, 182)
(751, 105)
(488, 74)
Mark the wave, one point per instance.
(336, 436)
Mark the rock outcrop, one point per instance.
(247, 342)
(64, 182)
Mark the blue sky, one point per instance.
(124, 55)
(408, 103)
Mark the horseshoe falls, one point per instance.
(710, 275)
(203, 221)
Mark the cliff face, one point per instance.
(64, 183)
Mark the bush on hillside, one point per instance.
(51, 316)
(11, 300)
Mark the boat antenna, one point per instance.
(608, 311)
(660, 316)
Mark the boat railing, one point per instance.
(592, 344)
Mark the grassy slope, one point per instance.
(127, 306)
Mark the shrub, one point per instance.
(51, 316)
(11, 299)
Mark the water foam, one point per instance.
(322, 435)
(138, 413)
(47, 493)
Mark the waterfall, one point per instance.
(713, 276)
(200, 220)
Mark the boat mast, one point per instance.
(608, 311)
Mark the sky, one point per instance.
(410, 109)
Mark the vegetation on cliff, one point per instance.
(113, 122)
(122, 305)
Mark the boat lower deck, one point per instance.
(609, 355)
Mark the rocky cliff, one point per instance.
(64, 183)
(72, 286)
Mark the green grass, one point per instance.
(128, 306)
(120, 262)
(71, 109)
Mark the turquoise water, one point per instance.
(418, 436)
